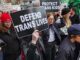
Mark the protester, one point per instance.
(74, 17)
(51, 37)
(65, 22)
(67, 47)
(11, 50)
(35, 51)
(65, 16)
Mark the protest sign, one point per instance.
(50, 5)
(26, 21)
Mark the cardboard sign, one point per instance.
(50, 5)
(26, 21)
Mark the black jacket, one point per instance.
(35, 52)
(32, 51)
(66, 50)
(60, 25)
(12, 49)
(45, 35)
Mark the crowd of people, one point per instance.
(59, 42)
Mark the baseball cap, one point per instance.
(74, 29)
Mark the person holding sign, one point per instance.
(35, 51)
(11, 50)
